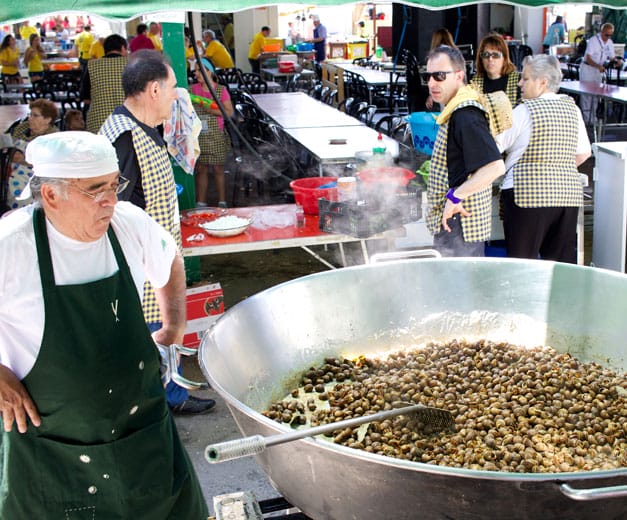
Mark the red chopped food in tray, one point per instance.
(194, 218)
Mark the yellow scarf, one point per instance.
(466, 93)
(496, 105)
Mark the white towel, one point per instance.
(182, 130)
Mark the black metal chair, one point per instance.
(345, 104)
(261, 156)
(331, 98)
(39, 89)
(229, 76)
(292, 83)
(6, 158)
(573, 70)
(14, 124)
(253, 83)
(517, 54)
(390, 124)
(315, 91)
(250, 110)
(417, 93)
(359, 89)
(368, 115)
(358, 109)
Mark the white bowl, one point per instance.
(221, 227)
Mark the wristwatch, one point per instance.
(450, 196)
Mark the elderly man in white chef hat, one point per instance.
(86, 424)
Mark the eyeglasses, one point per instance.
(439, 75)
(99, 195)
(607, 35)
(34, 114)
(494, 55)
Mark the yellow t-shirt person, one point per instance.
(218, 55)
(156, 41)
(10, 59)
(83, 44)
(256, 46)
(96, 50)
(26, 31)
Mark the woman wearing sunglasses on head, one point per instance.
(495, 71)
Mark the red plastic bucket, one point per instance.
(307, 192)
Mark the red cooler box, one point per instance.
(205, 304)
(286, 66)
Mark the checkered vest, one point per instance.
(511, 89)
(476, 227)
(105, 76)
(159, 188)
(22, 132)
(546, 175)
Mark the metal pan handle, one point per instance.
(594, 493)
(169, 358)
(178, 378)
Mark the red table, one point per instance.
(272, 227)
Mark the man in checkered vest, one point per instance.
(542, 190)
(465, 160)
(133, 128)
(101, 84)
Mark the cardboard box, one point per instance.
(205, 304)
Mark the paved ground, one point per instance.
(240, 275)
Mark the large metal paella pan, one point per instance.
(253, 353)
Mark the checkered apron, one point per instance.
(214, 143)
(159, 189)
(546, 175)
(511, 89)
(105, 75)
(476, 227)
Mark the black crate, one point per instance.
(365, 218)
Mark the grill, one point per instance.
(244, 506)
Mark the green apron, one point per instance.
(107, 447)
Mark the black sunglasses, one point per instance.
(439, 75)
(495, 55)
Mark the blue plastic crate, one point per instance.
(424, 129)
(496, 248)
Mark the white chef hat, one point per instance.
(315, 17)
(70, 155)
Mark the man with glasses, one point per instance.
(86, 425)
(150, 90)
(465, 160)
(599, 55)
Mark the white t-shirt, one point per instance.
(600, 52)
(515, 140)
(148, 248)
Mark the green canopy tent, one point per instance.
(12, 11)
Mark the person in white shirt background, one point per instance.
(599, 54)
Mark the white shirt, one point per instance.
(515, 140)
(600, 52)
(148, 248)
